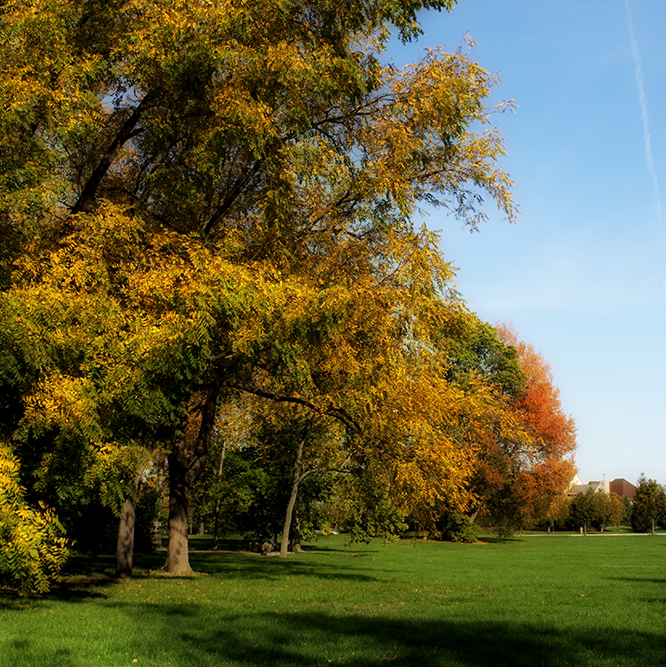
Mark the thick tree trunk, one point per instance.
(284, 544)
(156, 529)
(183, 472)
(125, 544)
(178, 561)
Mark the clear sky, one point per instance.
(582, 276)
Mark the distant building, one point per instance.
(577, 486)
(619, 486)
(600, 486)
(623, 488)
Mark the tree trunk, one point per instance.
(284, 544)
(296, 535)
(216, 522)
(156, 534)
(183, 472)
(156, 531)
(653, 525)
(126, 132)
(125, 544)
(178, 561)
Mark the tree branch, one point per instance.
(338, 413)
(126, 132)
(232, 195)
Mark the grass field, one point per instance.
(542, 600)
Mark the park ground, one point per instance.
(532, 600)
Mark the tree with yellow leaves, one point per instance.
(201, 197)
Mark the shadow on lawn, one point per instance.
(233, 565)
(185, 635)
(363, 641)
(251, 566)
(320, 639)
(655, 585)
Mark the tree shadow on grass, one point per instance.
(253, 566)
(190, 634)
(495, 539)
(195, 634)
(361, 550)
(80, 587)
(652, 581)
(319, 639)
(10, 600)
(71, 588)
(85, 575)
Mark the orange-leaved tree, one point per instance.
(542, 468)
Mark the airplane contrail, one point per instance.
(647, 137)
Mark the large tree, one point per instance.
(188, 177)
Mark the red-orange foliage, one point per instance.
(526, 480)
(539, 407)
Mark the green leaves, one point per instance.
(649, 505)
(32, 546)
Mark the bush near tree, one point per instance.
(597, 508)
(33, 548)
(584, 509)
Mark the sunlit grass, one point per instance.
(532, 601)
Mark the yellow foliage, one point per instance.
(32, 549)
(220, 194)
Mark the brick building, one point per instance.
(623, 488)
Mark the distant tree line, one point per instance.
(600, 510)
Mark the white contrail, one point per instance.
(644, 109)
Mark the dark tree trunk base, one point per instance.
(125, 545)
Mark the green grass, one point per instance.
(542, 600)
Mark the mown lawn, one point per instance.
(542, 600)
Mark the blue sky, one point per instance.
(582, 276)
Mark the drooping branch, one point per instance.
(338, 413)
